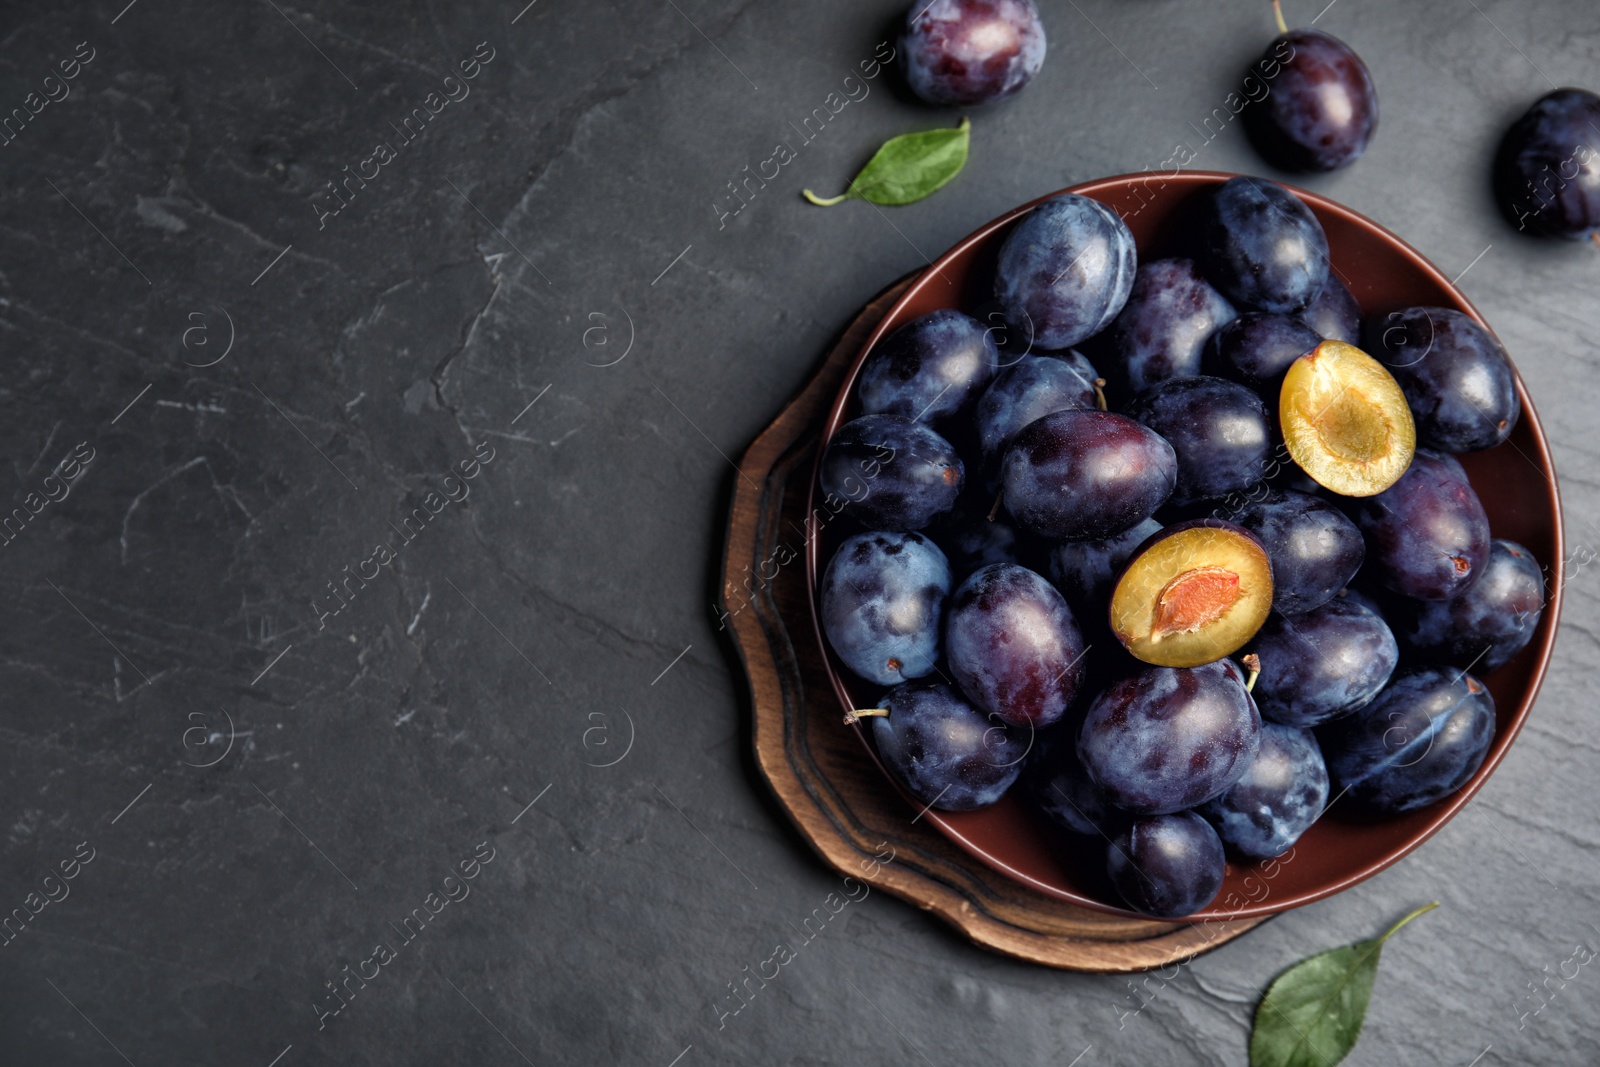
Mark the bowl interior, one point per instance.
(1516, 482)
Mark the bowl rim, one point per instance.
(1446, 808)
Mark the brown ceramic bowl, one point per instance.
(1515, 480)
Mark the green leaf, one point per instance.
(907, 168)
(1312, 1013)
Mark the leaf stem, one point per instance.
(1396, 927)
(820, 202)
(1277, 13)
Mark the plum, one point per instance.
(1282, 793)
(1086, 475)
(1168, 738)
(1420, 740)
(965, 52)
(946, 752)
(929, 370)
(1065, 270)
(883, 598)
(894, 474)
(1013, 645)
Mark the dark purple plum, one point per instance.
(1286, 787)
(1085, 571)
(1423, 737)
(930, 369)
(1218, 430)
(895, 474)
(971, 539)
(1322, 110)
(946, 752)
(1334, 314)
(966, 52)
(1548, 172)
(1162, 329)
(1014, 646)
(1263, 247)
(1065, 270)
(1325, 663)
(1314, 548)
(883, 598)
(1492, 621)
(1168, 866)
(1033, 387)
(1427, 534)
(1062, 789)
(1168, 738)
(1086, 475)
(1257, 347)
(1456, 377)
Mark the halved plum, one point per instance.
(1192, 594)
(1345, 420)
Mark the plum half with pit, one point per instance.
(1193, 593)
(1013, 645)
(1086, 475)
(1345, 420)
(947, 753)
(1065, 271)
(1423, 737)
(1168, 738)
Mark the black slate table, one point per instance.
(372, 501)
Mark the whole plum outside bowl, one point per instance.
(1516, 481)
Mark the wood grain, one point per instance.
(831, 789)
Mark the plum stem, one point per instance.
(1001, 495)
(850, 717)
(1100, 393)
(1277, 13)
(1252, 663)
(820, 202)
(1594, 235)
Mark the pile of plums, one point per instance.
(1260, 586)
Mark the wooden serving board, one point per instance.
(836, 795)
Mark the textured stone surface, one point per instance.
(567, 211)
